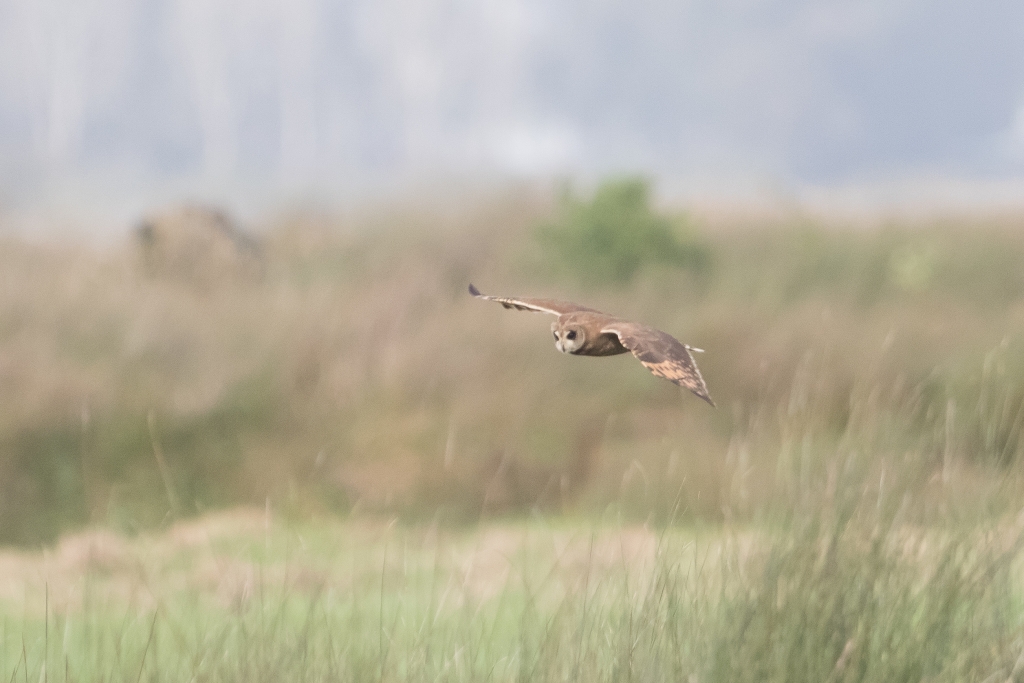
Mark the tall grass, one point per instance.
(848, 590)
(357, 375)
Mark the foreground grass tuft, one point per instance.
(853, 594)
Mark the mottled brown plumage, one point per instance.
(583, 331)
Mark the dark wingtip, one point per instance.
(703, 396)
(473, 290)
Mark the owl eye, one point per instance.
(556, 335)
(571, 334)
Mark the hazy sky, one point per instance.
(293, 92)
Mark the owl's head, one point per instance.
(568, 338)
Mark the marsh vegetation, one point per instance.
(441, 496)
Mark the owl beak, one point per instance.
(558, 345)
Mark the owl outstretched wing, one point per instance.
(662, 354)
(551, 306)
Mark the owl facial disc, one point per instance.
(568, 340)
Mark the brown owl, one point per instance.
(583, 331)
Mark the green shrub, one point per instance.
(615, 234)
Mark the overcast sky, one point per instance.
(302, 93)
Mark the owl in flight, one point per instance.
(583, 331)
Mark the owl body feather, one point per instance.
(583, 331)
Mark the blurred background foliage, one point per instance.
(609, 238)
(350, 371)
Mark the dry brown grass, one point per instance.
(357, 374)
(230, 558)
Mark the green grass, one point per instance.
(850, 592)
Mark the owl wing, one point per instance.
(540, 305)
(662, 354)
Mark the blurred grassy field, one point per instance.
(357, 374)
(441, 495)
